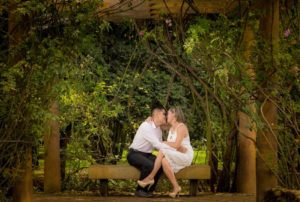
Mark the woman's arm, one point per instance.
(181, 133)
(149, 119)
(163, 127)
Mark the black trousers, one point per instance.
(145, 163)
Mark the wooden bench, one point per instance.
(194, 173)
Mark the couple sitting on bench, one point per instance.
(174, 154)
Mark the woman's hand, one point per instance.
(149, 119)
(182, 149)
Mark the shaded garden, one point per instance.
(75, 86)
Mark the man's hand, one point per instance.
(182, 149)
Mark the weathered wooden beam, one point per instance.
(177, 10)
(147, 9)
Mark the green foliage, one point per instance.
(213, 46)
(195, 32)
(96, 70)
(43, 45)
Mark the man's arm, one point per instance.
(154, 140)
(157, 144)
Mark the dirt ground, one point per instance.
(219, 197)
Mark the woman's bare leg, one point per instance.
(170, 174)
(157, 165)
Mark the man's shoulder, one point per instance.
(145, 125)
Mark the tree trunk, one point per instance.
(23, 185)
(52, 178)
(64, 140)
(266, 138)
(225, 176)
(267, 157)
(213, 162)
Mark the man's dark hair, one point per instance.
(156, 108)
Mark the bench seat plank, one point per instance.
(130, 172)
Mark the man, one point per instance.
(148, 137)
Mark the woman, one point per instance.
(172, 161)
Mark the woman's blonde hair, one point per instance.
(178, 113)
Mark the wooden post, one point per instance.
(104, 187)
(246, 168)
(23, 186)
(193, 187)
(52, 178)
(267, 138)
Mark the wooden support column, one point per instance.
(52, 178)
(246, 168)
(23, 186)
(246, 172)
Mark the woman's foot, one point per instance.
(175, 192)
(144, 183)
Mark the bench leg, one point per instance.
(193, 187)
(104, 187)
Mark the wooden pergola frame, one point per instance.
(115, 10)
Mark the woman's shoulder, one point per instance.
(182, 128)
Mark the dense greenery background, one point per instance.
(106, 81)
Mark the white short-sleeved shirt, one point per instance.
(148, 137)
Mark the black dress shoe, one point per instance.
(156, 195)
(141, 193)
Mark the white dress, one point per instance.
(179, 160)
